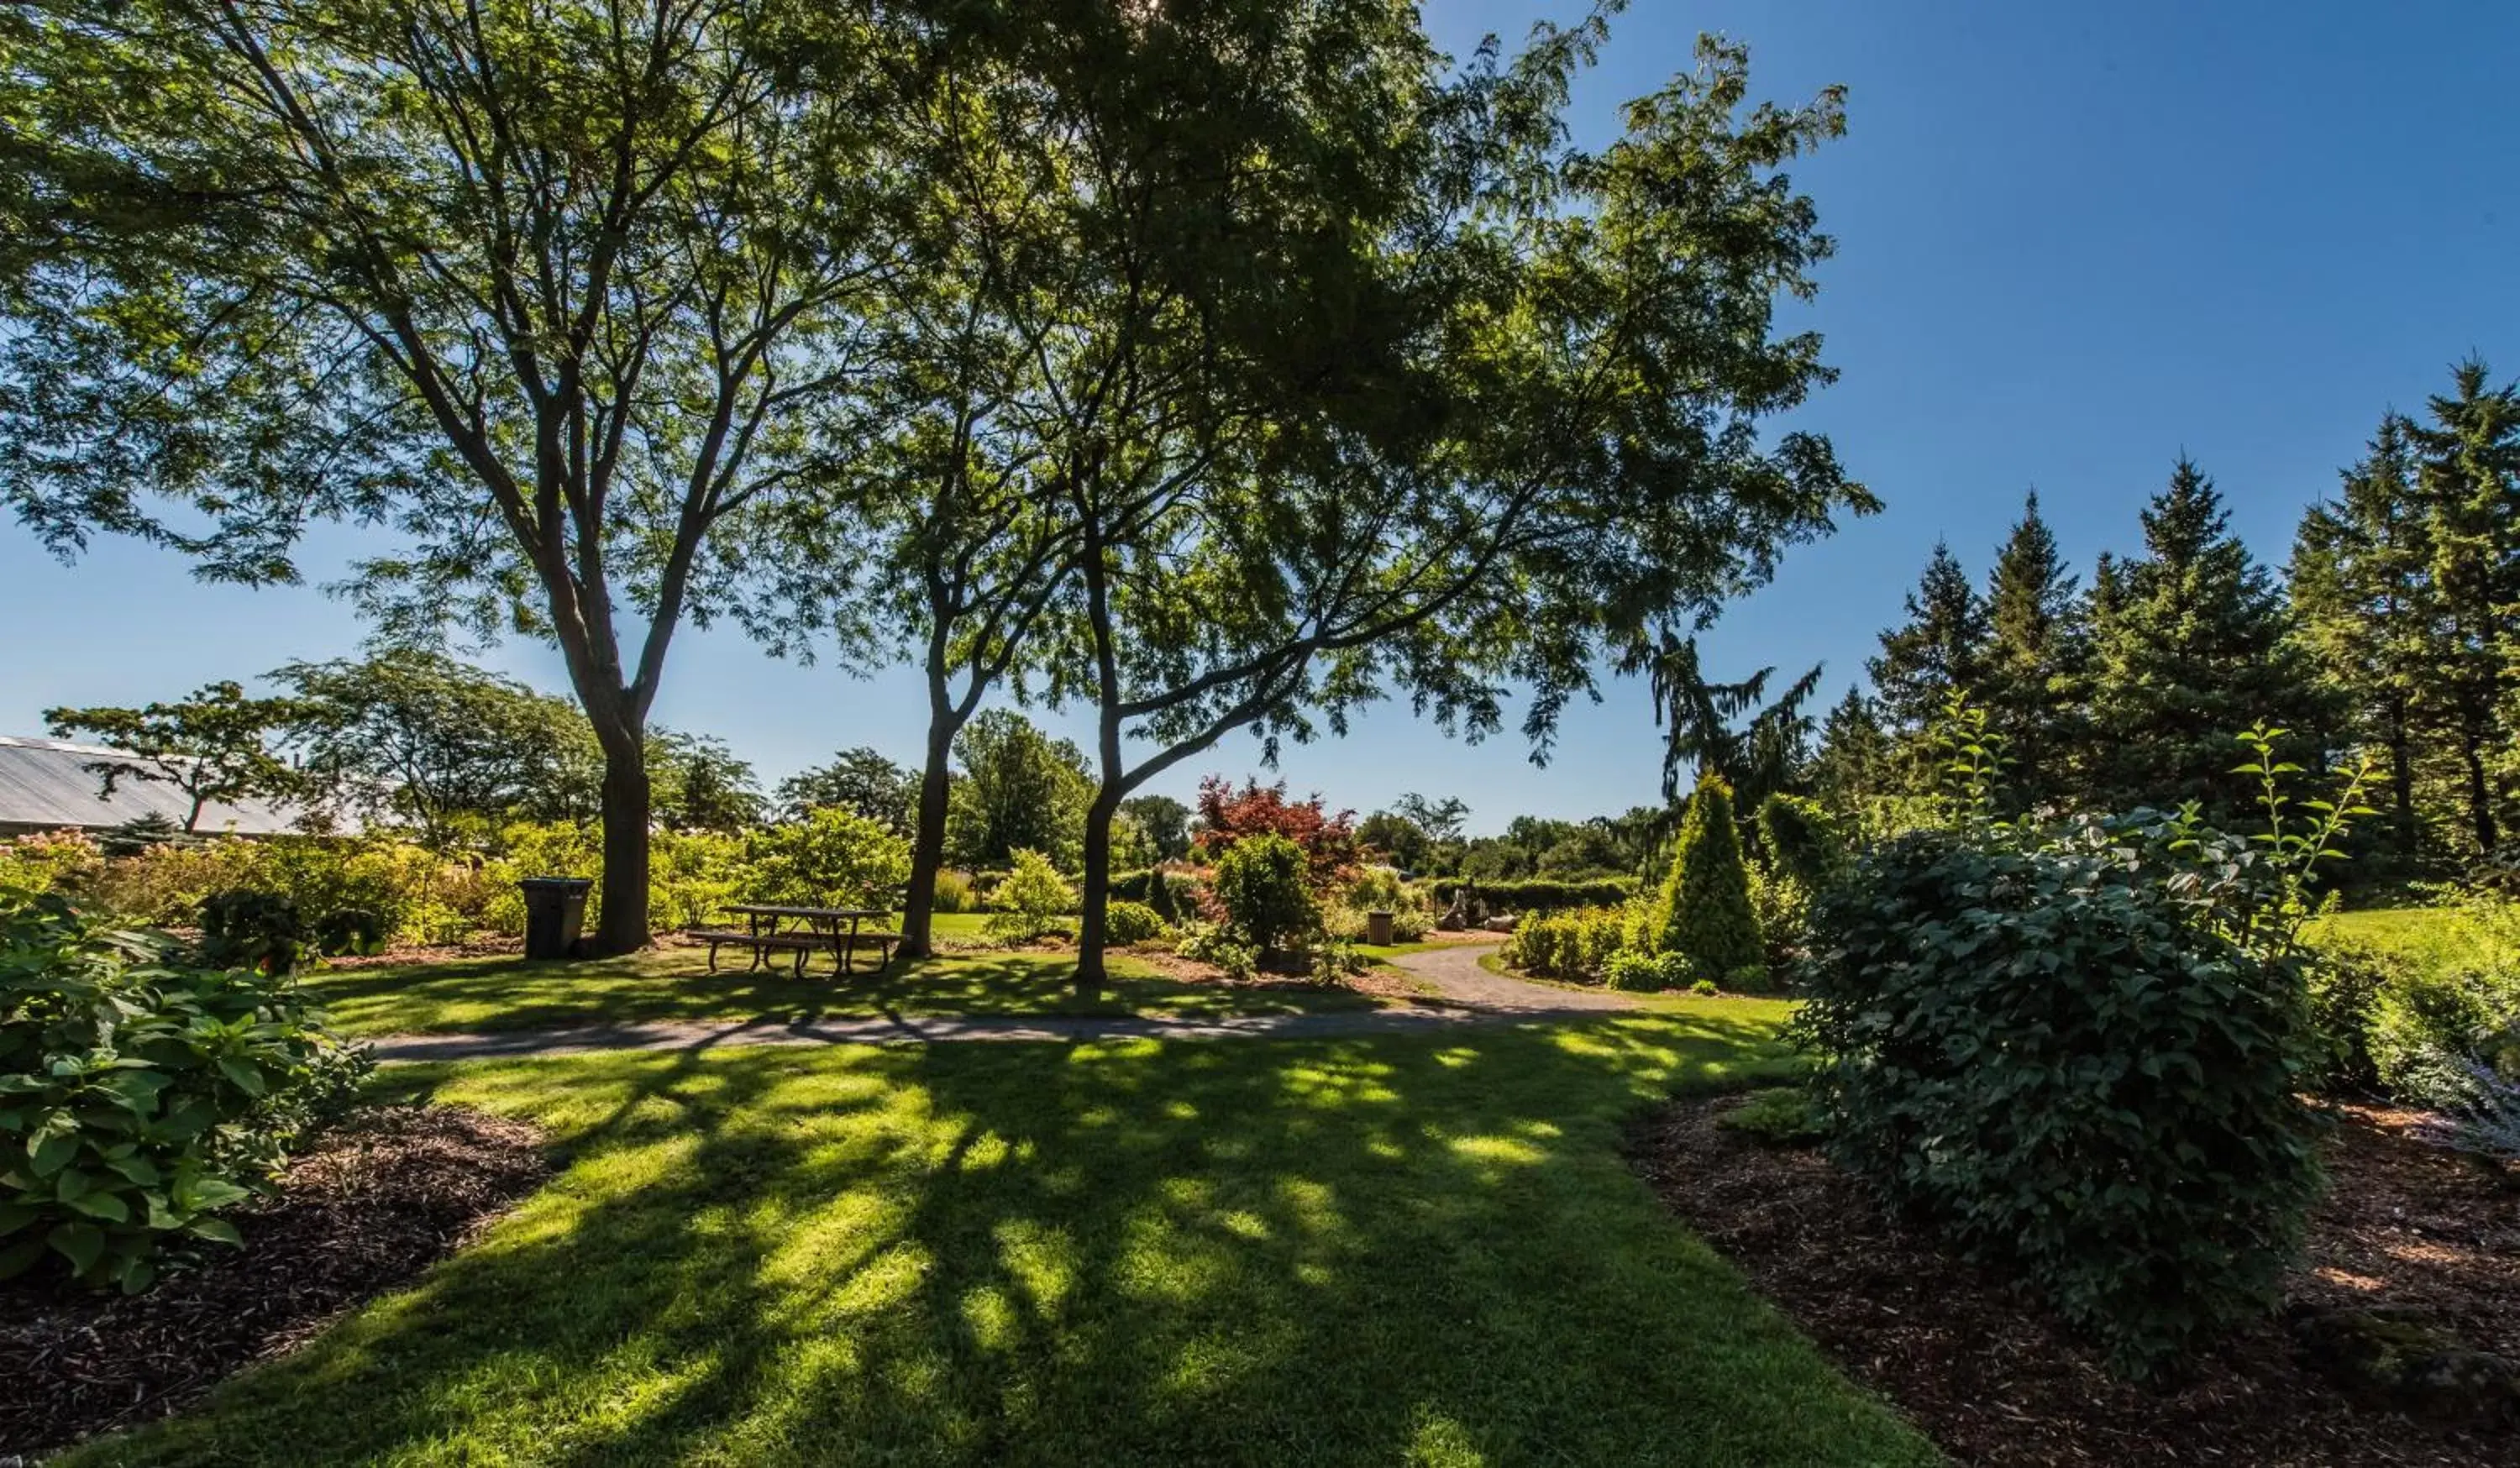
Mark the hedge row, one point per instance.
(1540, 894)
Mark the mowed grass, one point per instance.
(2399, 930)
(1418, 1248)
(506, 993)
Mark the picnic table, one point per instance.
(775, 927)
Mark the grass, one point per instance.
(1417, 1249)
(506, 994)
(2400, 930)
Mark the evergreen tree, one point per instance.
(1705, 906)
(2467, 465)
(2031, 685)
(2195, 646)
(1940, 648)
(1855, 762)
(2362, 595)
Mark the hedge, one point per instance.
(1541, 894)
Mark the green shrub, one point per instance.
(2049, 1049)
(831, 857)
(1128, 922)
(1537, 895)
(1030, 901)
(955, 894)
(139, 1096)
(50, 861)
(242, 928)
(1782, 904)
(1705, 988)
(1212, 943)
(1263, 882)
(1705, 905)
(1801, 838)
(1576, 947)
(349, 930)
(1780, 1116)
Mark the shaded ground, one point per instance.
(1989, 1377)
(369, 1208)
(1419, 1248)
(1459, 975)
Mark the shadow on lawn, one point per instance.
(1333, 1250)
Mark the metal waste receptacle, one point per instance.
(1377, 930)
(554, 910)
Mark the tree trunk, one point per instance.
(2480, 794)
(927, 842)
(1092, 924)
(2402, 779)
(622, 927)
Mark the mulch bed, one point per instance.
(1993, 1379)
(486, 945)
(364, 1211)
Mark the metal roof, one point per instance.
(45, 785)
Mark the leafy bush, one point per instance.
(955, 894)
(349, 930)
(2050, 1047)
(49, 861)
(1263, 883)
(2486, 1121)
(1212, 943)
(1780, 1116)
(1539, 895)
(1705, 988)
(1801, 839)
(1705, 905)
(1127, 922)
(139, 1096)
(831, 857)
(1030, 901)
(1576, 947)
(1783, 905)
(244, 928)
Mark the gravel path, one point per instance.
(1471, 994)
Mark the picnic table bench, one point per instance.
(815, 930)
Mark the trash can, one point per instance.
(554, 910)
(1377, 930)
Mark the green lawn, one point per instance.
(2388, 929)
(1417, 1249)
(477, 994)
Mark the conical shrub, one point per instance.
(1707, 916)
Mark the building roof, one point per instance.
(45, 785)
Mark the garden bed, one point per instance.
(1993, 1379)
(363, 1212)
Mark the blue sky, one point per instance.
(2073, 241)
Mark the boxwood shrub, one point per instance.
(2039, 1048)
(1540, 894)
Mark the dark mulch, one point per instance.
(362, 1212)
(482, 946)
(1993, 1379)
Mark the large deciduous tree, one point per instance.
(561, 291)
(214, 747)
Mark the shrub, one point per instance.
(831, 857)
(1782, 902)
(1705, 988)
(1127, 922)
(1576, 947)
(1705, 905)
(1209, 943)
(349, 930)
(1780, 1116)
(1801, 838)
(1030, 901)
(1539, 895)
(1263, 884)
(137, 1095)
(2043, 1047)
(244, 928)
(2486, 1121)
(955, 894)
(49, 861)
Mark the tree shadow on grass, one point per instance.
(1350, 1250)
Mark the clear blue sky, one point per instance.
(2073, 241)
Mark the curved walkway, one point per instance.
(1469, 995)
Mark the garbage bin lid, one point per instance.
(562, 883)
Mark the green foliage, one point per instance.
(1705, 988)
(1020, 789)
(1939, 651)
(955, 894)
(1705, 909)
(349, 930)
(215, 746)
(50, 861)
(1783, 905)
(1264, 885)
(1578, 947)
(2059, 1051)
(1128, 922)
(1778, 1116)
(1214, 943)
(1539, 895)
(1800, 840)
(263, 931)
(832, 856)
(139, 1096)
(1030, 901)
(697, 783)
(861, 781)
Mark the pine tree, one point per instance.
(2194, 647)
(2468, 471)
(1707, 916)
(1940, 648)
(2362, 593)
(2031, 687)
(1855, 759)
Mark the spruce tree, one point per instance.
(2031, 684)
(1855, 758)
(2362, 593)
(2195, 646)
(1705, 904)
(1940, 648)
(2468, 471)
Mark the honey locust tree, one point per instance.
(555, 292)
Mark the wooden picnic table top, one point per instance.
(774, 909)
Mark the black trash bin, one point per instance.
(554, 910)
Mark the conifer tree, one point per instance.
(2196, 648)
(2467, 465)
(1855, 762)
(2362, 595)
(2031, 685)
(1705, 905)
(1940, 648)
